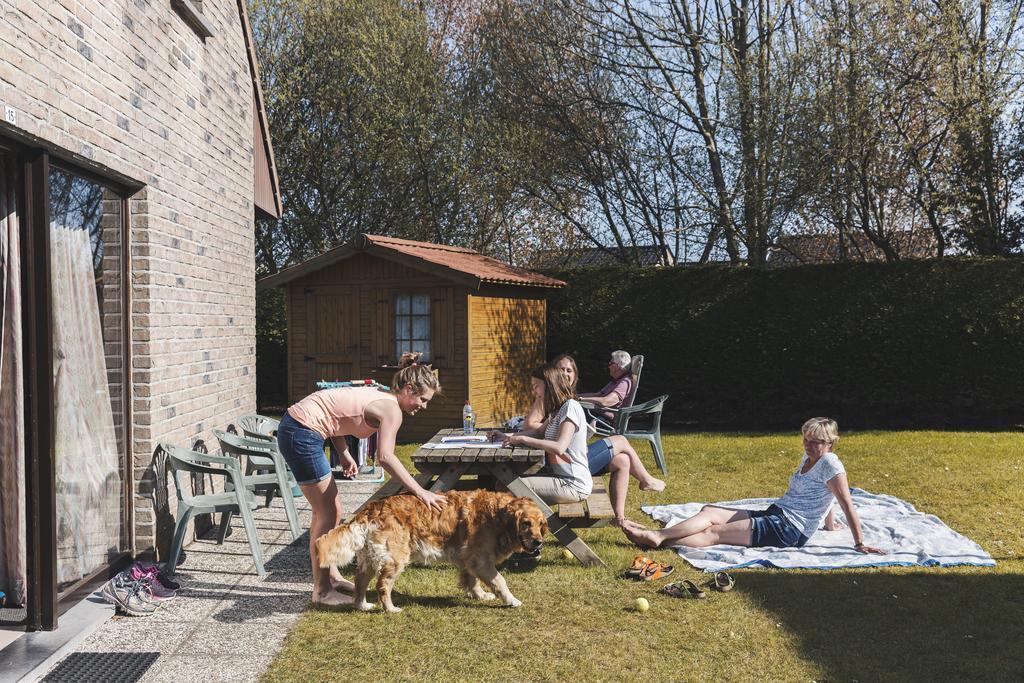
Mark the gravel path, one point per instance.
(226, 623)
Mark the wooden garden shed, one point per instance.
(482, 323)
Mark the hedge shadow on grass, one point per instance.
(934, 624)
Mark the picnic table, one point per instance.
(465, 467)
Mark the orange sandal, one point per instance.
(636, 569)
(656, 570)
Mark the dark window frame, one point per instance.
(396, 340)
(44, 603)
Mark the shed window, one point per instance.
(412, 324)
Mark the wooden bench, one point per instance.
(595, 511)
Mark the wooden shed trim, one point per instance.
(341, 253)
(364, 244)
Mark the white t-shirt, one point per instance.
(577, 470)
(808, 498)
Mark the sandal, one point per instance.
(656, 570)
(722, 582)
(637, 568)
(684, 589)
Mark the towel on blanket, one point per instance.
(909, 536)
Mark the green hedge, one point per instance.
(271, 352)
(913, 344)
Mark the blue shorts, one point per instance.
(771, 528)
(599, 454)
(303, 450)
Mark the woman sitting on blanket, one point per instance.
(612, 454)
(820, 480)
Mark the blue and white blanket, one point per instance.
(909, 536)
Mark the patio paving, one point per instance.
(226, 624)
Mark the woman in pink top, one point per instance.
(351, 411)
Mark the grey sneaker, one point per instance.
(129, 596)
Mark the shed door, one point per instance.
(333, 335)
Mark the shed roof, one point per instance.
(454, 263)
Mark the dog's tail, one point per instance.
(338, 547)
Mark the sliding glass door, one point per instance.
(86, 294)
(65, 413)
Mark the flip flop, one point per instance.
(684, 589)
(637, 568)
(656, 570)
(722, 582)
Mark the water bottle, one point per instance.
(468, 419)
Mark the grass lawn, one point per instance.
(577, 624)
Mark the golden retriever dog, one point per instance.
(476, 531)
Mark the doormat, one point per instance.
(102, 667)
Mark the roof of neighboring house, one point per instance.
(824, 248)
(592, 257)
(454, 263)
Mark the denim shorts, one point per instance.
(303, 450)
(599, 454)
(771, 528)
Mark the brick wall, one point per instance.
(130, 86)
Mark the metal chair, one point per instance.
(236, 500)
(271, 475)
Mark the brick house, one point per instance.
(134, 157)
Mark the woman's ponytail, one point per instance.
(419, 376)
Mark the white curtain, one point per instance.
(89, 493)
(12, 407)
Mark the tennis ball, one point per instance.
(567, 554)
(642, 605)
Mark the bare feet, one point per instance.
(653, 485)
(339, 583)
(645, 538)
(342, 585)
(331, 599)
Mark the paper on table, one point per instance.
(461, 444)
(463, 438)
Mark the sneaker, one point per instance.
(159, 592)
(128, 597)
(139, 572)
(155, 576)
(167, 582)
(143, 586)
(148, 577)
